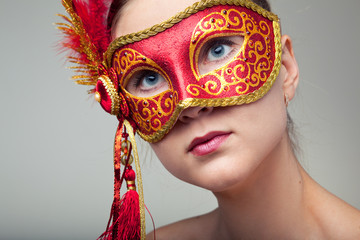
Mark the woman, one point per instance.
(240, 151)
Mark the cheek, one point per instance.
(172, 155)
(169, 153)
(261, 125)
(270, 118)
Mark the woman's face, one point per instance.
(214, 148)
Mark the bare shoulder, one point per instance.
(338, 219)
(199, 227)
(345, 221)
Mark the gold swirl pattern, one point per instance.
(148, 112)
(249, 69)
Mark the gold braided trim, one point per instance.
(196, 7)
(130, 130)
(110, 89)
(223, 102)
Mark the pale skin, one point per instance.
(261, 189)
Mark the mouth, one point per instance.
(208, 143)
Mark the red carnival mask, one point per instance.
(173, 59)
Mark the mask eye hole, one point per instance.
(146, 83)
(217, 52)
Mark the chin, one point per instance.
(223, 173)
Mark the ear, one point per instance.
(290, 67)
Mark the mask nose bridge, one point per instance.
(184, 76)
(178, 64)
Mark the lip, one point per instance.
(208, 143)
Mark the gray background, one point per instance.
(56, 143)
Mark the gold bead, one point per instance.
(124, 157)
(124, 144)
(97, 97)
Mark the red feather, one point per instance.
(86, 35)
(93, 14)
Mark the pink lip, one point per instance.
(208, 143)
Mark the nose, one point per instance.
(192, 113)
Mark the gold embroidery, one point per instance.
(230, 22)
(147, 112)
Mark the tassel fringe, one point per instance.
(127, 216)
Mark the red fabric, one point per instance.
(105, 98)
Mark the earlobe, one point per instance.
(290, 67)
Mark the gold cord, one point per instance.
(138, 178)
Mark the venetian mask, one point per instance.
(223, 55)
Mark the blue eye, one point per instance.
(146, 83)
(150, 80)
(218, 52)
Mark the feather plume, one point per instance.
(85, 36)
(94, 18)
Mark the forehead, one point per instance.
(141, 14)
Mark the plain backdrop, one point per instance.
(56, 176)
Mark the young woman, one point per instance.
(243, 155)
(219, 78)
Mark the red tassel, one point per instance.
(129, 218)
(128, 221)
(125, 212)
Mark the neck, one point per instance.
(272, 199)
